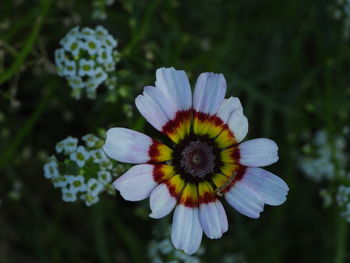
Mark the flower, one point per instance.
(207, 161)
(318, 161)
(90, 199)
(98, 156)
(76, 183)
(60, 182)
(94, 187)
(90, 140)
(79, 156)
(68, 195)
(104, 177)
(86, 59)
(51, 169)
(82, 172)
(67, 145)
(100, 9)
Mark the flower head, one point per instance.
(86, 58)
(208, 159)
(85, 171)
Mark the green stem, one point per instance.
(340, 250)
(28, 43)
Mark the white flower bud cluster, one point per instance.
(340, 10)
(326, 160)
(318, 163)
(85, 59)
(85, 172)
(164, 251)
(99, 7)
(343, 200)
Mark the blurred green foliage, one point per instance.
(288, 61)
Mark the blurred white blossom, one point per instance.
(340, 10)
(80, 156)
(100, 9)
(67, 145)
(85, 59)
(84, 171)
(160, 249)
(326, 159)
(51, 169)
(322, 158)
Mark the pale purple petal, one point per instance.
(161, 202)
(137, 183)
(258, 152)
(272, 189)
(227, 107)
(175, 86)
(155, 107)
(209, 93)
(231, 113)
(128, 146)
(238, 125)
(245, 200)
(186, 231)
(213, 219)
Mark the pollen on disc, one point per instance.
(198, 159)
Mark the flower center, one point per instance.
(196, 158)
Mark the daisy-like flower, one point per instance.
(208, 159)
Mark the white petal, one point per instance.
(166, 105)
(227, 107)
(186, 231)
(272, 189)
(161, 202)
(175, 85)
(231, 113)
(209, 93)
(258, 152)
(245, 200)
(127, 145)
(155, 107)
(137, 183)
(213, 219)
(238, 124)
